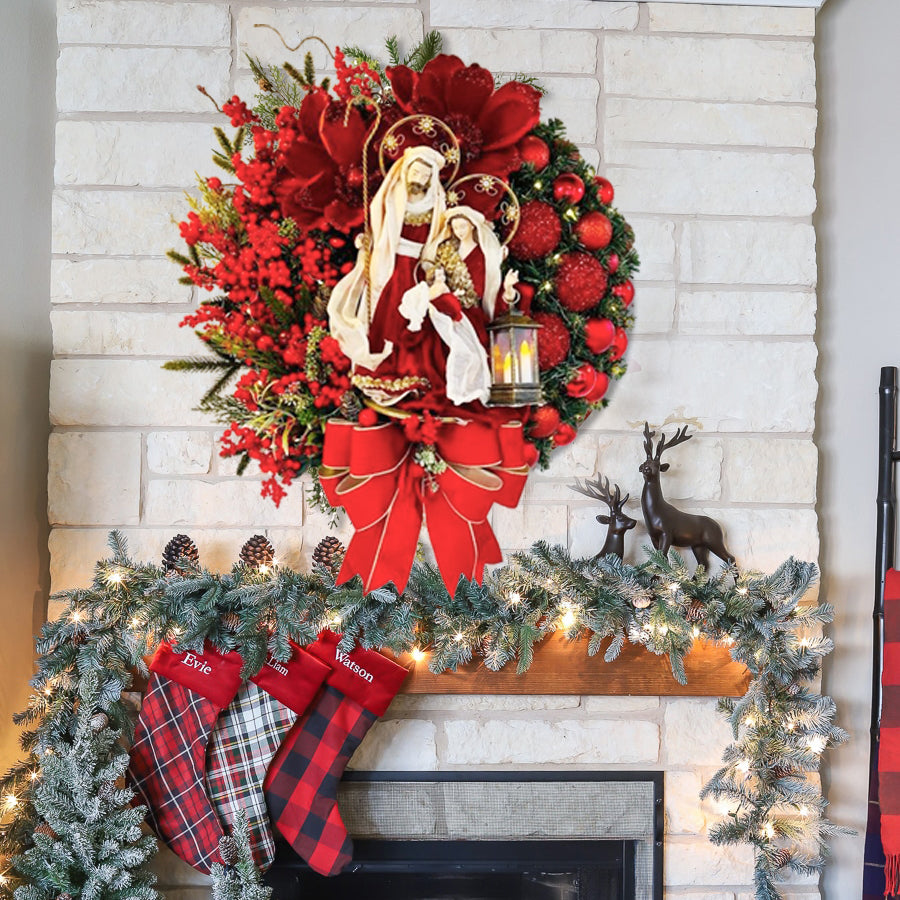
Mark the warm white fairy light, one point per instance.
(568, 619)
(804, 642)
(816, 743)
(743, 591)
(134, 622)
(695, 631)
(514, 599)
(335, 619)
(114, 577)
(263, 569)
(790, 724)
(3, 879)
(803, 810)
(728, 640)
(11, 801)
(76, 616)
(743, 766)
(571, 214)
(767, 831)
(34, 774)
(749, 721)
(538, 185)
(673, 586)
(458, 637)
(417, 654)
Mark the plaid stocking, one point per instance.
(245, 739)
(302, 781)
(184, 697)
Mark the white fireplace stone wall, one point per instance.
(704, 119)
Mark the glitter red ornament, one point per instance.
(554, 341)
(619, 345)
(544, 421)
(580, 281)
(568, 188)
(612, 263)
(625, 292)
(605, 190)
(538, 233)
(594, 231)
(565, 435)
(599, 335)
(535, 151)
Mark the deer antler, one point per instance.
(598, 490)
(648, 440)
(680, 437)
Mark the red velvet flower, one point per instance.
(323, 187)
(488, 123)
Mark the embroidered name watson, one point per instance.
(345, 660)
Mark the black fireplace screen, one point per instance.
(492, 835)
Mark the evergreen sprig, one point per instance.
(90, 655)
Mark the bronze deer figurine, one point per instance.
(668, 526)
(618, 521)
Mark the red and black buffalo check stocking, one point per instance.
(185, 695)
(246, 736)
(302, 781)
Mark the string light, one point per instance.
(417, 654)
(335, 619)
(114, 578)
(568, 619)
(34, 774)
(458, 637)
(695, 631)
(3, 879)
(767, 831)
(743, 591)
(803, 810)
(673, 587)
(816, 743)
(571, 214)
(514, 599)
(749, 721)
(263, 569)
(538, 185)
(546, 286)
(135, 622)
(11, 801)
(743, 766)
(804, 642)
(76, 616)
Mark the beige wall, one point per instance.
(859, 326)
(27, 50)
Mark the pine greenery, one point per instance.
(241, 880)
(68, 805)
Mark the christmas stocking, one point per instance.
(302, 781)
(248, 733)
(185, 695)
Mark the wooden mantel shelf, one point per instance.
(564, 667)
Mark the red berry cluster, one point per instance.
(353, 81)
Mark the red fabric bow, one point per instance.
(373, 473)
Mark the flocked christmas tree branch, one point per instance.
(64, 835)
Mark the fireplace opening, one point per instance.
(491, 836)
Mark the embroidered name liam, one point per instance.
(345, 660)
(192, 662)
(277, 666)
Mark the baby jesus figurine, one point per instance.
(460, 297)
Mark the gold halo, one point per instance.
(488, 184)
(427, 128)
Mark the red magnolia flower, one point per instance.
(323, 185)
(487, 123)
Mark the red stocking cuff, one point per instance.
(367, 677)
(210, 674)
(295, 682)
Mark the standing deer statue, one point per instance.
(668, 526)
(618, 521)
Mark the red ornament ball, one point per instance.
(538, 233)
(565, 435)
(599, 335)
(368, 418)
(600, 387)
(580, 281)
(583, 382)
(594, 231)
(625, 292)
(544, 421)
(612, 262)
(619, 345)
(568, 188)
(605, 190)
(530, 454)
(535, 151)
(553, 340)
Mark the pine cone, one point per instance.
(179, 548)
(228, 850)
(695, 611)
(46, 831)
(231, 621)
(319, 305)
(641, 602)
(784, 771)
(781, 858)
(99, 721)
(257, 552)
(350, 406)
(329, 554)
(64, 896)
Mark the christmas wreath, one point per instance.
(370, 234)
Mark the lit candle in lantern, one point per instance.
(508, 368)
(526, 363)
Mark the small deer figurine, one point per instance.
(618, 521)
(668, 526)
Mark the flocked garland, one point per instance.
(56, 828)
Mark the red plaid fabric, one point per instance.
(169, 751)
(302, 781)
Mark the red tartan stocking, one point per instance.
(185, 695)
(245, 739)
(302, 781)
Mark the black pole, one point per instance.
(884, 548)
